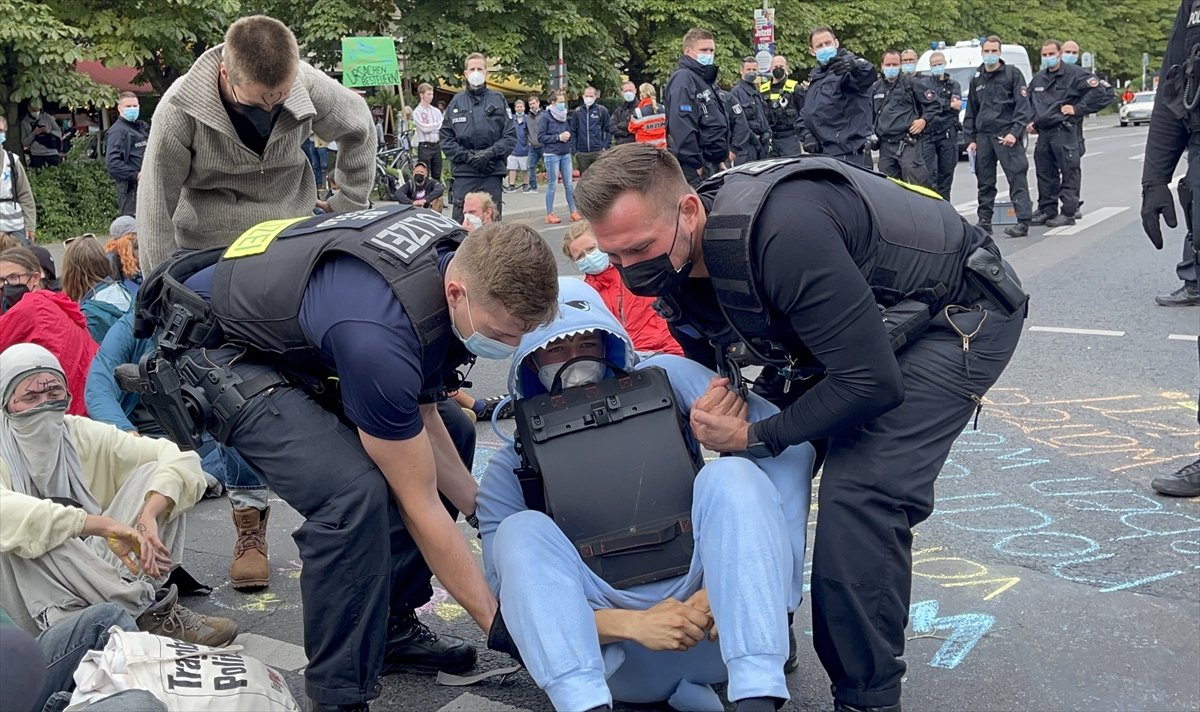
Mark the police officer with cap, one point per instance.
(477, 136)
(1174, 126)
(697, 123)
(836, 117)
(904, 106)
(940, 140)
(1062, 94)
(320, 349)
(783, 98)
(746, 93)
(998, 114)
(789, 262)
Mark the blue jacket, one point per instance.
(591, 128)
(105, 401)
(124, 146)
(522, 127)
(103, 305)
(548, 131)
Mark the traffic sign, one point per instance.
(1145, 59)
(1088, 60)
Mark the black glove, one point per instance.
(479, 160)
(811, 145)
(500, 641)
(1157, 200)
(840, 65)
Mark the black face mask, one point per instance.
(657, 276)
(779, 73)
(419, 179)
(260, 119)
(12, 295)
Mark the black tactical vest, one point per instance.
(260, 279)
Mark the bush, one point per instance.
(74, 197)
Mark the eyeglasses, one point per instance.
(67, 242)
(16, 278)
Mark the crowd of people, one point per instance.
(318, 345)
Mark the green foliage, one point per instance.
(72, 198)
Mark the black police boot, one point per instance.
(1186, 296)
(1021, 229)
(412, 647)
(792, 661)
(1184, 483)
(1060, 221)
(986, 227)
(839, 706)
(1039, 218)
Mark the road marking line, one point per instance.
(1097, 153)
(1083, 332)
(276, 653)
(961, 207)
(1183, 337)
(468, 702)
(1092, 219)
(1138, 157)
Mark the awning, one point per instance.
(119, 78)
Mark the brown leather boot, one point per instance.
(249, 569)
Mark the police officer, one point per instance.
(1070, 55)
(940, 140)
(740, 139)
(998, 114)
(697, 123)
(749, 264)
(124, 147)
(623, 113)
(1174, 126)
(746, 92)
(1062, 94)
(389, 303)
(477, 136)
(836, 117)
(783, 98)
(904, 106)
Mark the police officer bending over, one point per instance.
(733, 547)
(477, 136)
(697, 123)
(319, 348)
(749, 264)
(940, 140)
(903, 108)
(836, 115)
(1062, 94)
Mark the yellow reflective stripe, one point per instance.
(257, 239)
(927, 192)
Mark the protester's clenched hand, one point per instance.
(699, 601)
(671, 625)
(719, 399)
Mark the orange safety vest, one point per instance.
(650, 126)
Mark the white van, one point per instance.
(964, 58)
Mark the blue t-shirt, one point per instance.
(354, 321)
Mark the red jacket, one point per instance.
(646, 328)
(53, 320)
(651, 127)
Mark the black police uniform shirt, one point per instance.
(477, 120)
(899, 103)
(751, 99)
(997, 104)
(837, 107)
(1050, 91)
(829, 305)
(124, 147)
(944, 88)
(697, 125)
(352, 318)
(1172, 126)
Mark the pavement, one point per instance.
(1050, 577)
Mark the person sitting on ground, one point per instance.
(122, 249)
(87, 277)
(18, 211)
(422, 191)
(30, 312)
(586, 642)
(645, 326)
(91, 514)
(44, 259)
(479, 209)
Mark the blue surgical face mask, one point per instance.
(991, 60)
(628, 96)
(130, 113)
(480, 345)
(705, 59)
(937, 70)
(593, 262)
(561, 106)
(3, 137)
(908, 68)
(1070, 58)
(1050, 62)
(891, 72)
(825, 54)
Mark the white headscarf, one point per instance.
(34, 443)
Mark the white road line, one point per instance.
(1091, 219)
(1081, 332)
(468, 702)
(1183, 337)
(1138, 157)
(276, 653)
(1096, 153)
(967, 207)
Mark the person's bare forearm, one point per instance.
(453, 479)
(613, 624)
(155, 505)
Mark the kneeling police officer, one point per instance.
(319, 349)
(887, 316)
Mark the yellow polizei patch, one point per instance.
(257, 239)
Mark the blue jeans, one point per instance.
(535, 155)
(246, 488)
(555, 165)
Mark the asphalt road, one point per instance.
(1050, 576)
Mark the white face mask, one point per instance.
(589, 100)
(577, 374)
(476, 78)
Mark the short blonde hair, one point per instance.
(646, 90)
(485, 199)
(576, 231)
(261, 50)
(510, 264)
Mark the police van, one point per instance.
(962, 61)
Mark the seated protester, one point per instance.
(31, 313)
(44, 258)
(645, 326)
(422, 191)
(88, 279)
(107, 403)
(123, 253)
(57, 558)
(478, 210)
(586, 642)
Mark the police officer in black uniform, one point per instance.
(1175, 126)
(318, 348)
(904, 107)
(1062, 94)
(124, 147)
(746, 92)
(998, 115)
(783, 98)
(740, 138)
(789, 262)
(836, 118)
(940, 140)
(477, 136)
(697, 123)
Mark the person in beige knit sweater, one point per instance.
(224, 152)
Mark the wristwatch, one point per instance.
(756, 447)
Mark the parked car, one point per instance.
(1138, 110)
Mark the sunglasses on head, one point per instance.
(67, 242)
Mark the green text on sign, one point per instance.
(369, 62)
